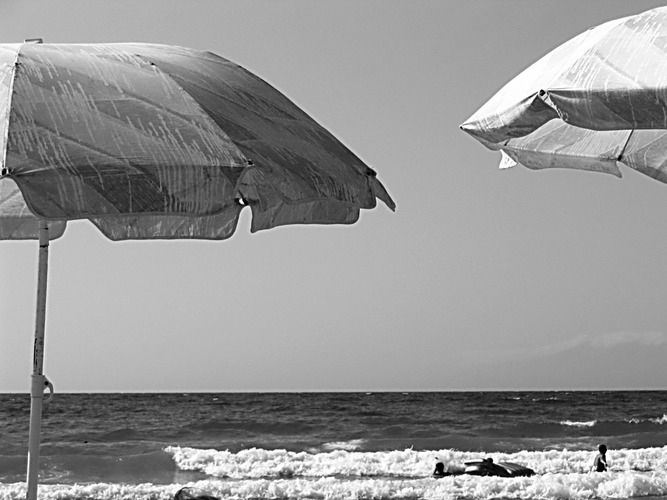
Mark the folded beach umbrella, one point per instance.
(157, 142)
(594, 103)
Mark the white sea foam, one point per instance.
(658, 420)
(547, 487)
(570, 423)
(391, 475)
(257, 463)
(661, 420)
(352, 445)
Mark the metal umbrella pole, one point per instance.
(39, 381)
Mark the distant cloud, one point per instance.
(558, 347)
(617, 360)
(602, 341)
(615, 339)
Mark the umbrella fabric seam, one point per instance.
(559, 153)
(189, 97)
(110, 215)
(220, 96)
(103, 153)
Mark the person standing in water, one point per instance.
(600, 462)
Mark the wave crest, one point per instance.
(570, 423)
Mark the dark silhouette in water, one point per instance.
(185, 494)
(486, 467)
(600, 462)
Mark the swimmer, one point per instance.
(600, 462)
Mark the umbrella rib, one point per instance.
(625, 145)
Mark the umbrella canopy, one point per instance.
(156, 142)
(597, 101)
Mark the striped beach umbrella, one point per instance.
(156, 142)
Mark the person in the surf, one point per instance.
(600, 462)
(439, 469)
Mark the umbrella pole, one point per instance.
(39, 382)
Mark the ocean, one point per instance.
(337, 445)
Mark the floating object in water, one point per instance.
(487, 467)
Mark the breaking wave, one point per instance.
(395, 475)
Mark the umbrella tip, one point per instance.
(33, 40)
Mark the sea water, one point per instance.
(337, 445)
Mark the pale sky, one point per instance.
(482, 279)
